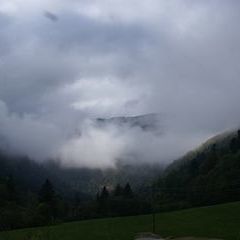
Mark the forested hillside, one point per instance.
(40, 194)
(209, 175)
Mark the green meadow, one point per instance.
(219, 221)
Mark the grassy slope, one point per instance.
(222, 221)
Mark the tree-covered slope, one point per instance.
(209, 175)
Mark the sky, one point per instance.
(64, 63)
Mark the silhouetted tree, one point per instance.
(48, 201)
(238, 139)
(97, 197)
(127, 191)
(103, 202)
(104, 194)
(118, 191)
(234, 145)
(11, 189)
(77, 199)
(47, 193)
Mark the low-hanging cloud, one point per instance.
(106, 146)
(116, 58)
(90, 144)
(27, 135)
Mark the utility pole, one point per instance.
(153, 222)
(153, 211)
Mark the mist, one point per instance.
(65, 64)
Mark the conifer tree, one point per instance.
(104, 194)
(127, 192)
(47, 193)
(118, 191)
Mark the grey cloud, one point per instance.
(27, 135)
(180, 59)
(51, 16)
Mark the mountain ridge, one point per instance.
(146, 122)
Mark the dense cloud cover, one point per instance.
(63, 63)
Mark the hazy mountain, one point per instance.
(186, 171)
(31, 174)
(147, 122)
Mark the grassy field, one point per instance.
(220, 221)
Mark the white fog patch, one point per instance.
(28, 135)
(103, 146)
(94, 148)
(91, 145)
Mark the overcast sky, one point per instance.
(63, 62)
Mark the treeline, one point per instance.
(211, 177)
(26, 209)
(119, 201)
(33, 194)
(20, 209)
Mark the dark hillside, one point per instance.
(208, 176)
